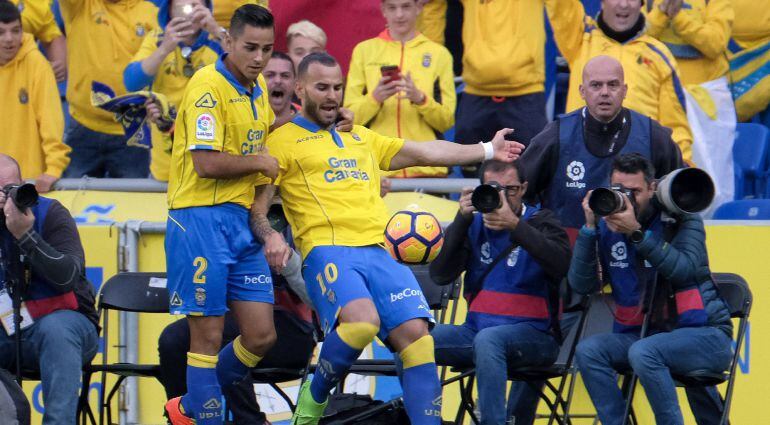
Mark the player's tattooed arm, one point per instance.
(276, 250)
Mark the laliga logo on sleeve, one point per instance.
(204, 127)
(619, 252)
(575, 172)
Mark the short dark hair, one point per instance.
(9, 13)
(318, 57)
(632, 163)
(251, 15)
(500, 166)
(283, 56)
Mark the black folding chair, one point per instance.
(127, 292)
(563, 369)
(737, 295)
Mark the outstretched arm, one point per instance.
(443, 153)
(277, 251)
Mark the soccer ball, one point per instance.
(414, 237)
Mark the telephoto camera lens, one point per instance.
(486, 197)
(24, 196)
(605, 201)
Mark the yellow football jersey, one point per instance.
(216, 113)
(330, 183)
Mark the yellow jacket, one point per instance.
(503, 52)
(37, 19)
(654, 87)
(102, 37)
(697, 37)
(430, 65)
(752, 23)
(432, 20)
(32, 114)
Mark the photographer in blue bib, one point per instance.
(514, 256)
(59, 326)
(668, 315)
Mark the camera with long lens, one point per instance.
(486, 197)
(682, 191)
(23, 195)
(605, 201)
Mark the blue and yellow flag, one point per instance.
(750, 77)
(131, 113)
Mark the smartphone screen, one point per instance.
(391, 72)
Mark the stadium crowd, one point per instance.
(192, 92)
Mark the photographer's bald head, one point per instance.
(604, 87)
(10, 172)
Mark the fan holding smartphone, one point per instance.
(401, 83)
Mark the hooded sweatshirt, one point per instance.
(102, 37)
(170, 80)
(34, 123)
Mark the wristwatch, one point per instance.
(636, 236)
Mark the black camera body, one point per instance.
(486, 197)
(23, 195)
(605, 201)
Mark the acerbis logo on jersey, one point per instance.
(575, 172)
(204, 127)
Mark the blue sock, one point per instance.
(234, 363)
(203, 401)
(340, 349)
(422, 390)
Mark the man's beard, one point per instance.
(311, 109)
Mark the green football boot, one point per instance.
(308, 411)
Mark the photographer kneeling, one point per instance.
(514, 256)
(639, 248)
(62, 334)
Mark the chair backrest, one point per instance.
(744, 209)
(736, 293)
(135, 292)
(750, 147)
(436, 295)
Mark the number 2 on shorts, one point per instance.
(200, 273)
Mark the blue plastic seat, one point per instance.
(745, 209)
(750, 152)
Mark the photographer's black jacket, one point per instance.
(57, 261)
(541, 158)
(541, 236)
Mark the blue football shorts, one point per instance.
(337, 275)
(212, 258)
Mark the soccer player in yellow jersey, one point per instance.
(214, 262)
(330, 187)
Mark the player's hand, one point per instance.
(277, 251)
(44, 182)
(410, 91)
(267, 165)
(385, 90)
(345, 124)
(588, 212)
(17, 222)
(506, 150)
(153, 110)
(625, 221)
(384, 186)
(502, 218)
(177, 30)
(671, 7)
(466, 207)
(202, 18)
(59, 70)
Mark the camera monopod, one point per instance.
(16, 276)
